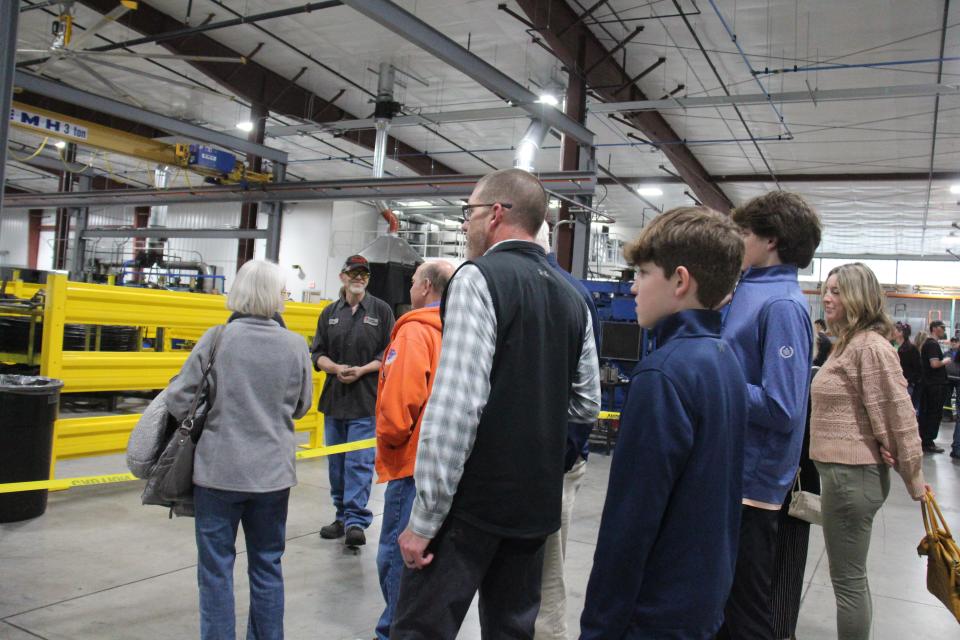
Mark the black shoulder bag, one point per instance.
(170, 483)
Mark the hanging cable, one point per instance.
(32, 155)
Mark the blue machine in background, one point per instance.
(624, 342)
(212, 159)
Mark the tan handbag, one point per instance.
(805, 505)
(943, 556)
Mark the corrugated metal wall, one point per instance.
(221, 253)
(13, 237)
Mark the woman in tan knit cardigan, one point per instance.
(859, 403)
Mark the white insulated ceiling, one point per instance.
(850, 137)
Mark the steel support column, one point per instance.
(411, 28)
(9, 15)
(275, 219)
(573, 240)
(61, 238)
(82, 219)
(249, 210)
(35, 221)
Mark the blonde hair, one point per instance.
(863, 303)
(257, 290)
(920, 339)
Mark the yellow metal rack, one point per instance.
(185, 315)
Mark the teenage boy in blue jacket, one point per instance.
(668, 536)
(768, 325)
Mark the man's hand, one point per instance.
(348, 375)
(413, 548)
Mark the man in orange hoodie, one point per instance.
(406, 378)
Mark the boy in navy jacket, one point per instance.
(768, 326)
(668, 536)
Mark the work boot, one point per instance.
(355, 537)
(332, 531)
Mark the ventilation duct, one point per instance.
(530, 144)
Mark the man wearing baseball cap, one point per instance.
(351, 336)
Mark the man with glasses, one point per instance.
(351, 336)
(517, 362)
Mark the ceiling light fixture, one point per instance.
(650, 191)
(955, 188)
(549, 99)
(415, 203)
(246, 126)
(60, 144)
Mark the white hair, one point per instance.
(543, 237)
(257, 290)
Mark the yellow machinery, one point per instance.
(185, 315)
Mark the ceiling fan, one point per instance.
(68, 47)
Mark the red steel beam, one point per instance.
(560, 26)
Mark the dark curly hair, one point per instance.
(788, 218)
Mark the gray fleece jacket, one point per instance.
(261, 382)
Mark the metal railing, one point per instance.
(179, 315)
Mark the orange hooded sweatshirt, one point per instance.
(406, 378)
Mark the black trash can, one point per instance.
(28, 409)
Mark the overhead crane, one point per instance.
(215, 165)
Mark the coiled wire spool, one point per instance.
(15, 333)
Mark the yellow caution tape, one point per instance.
(306, 454)
(346, 447)
(86, 481)
(65, 483)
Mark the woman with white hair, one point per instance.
(260, 383)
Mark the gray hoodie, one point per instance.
(261, 382)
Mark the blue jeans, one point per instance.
(351, 474)
(264, 518)
(396, 512)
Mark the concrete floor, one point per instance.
(98, 565)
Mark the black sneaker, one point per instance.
(930, 447)
(355, 537)
(332, 531)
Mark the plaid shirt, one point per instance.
(461, 390)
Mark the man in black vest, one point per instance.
(517, 362)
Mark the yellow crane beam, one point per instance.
(89, 134)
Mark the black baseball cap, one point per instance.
(355, 263)
(937, 323)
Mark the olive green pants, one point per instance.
(851, 495)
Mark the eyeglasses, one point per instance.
(468, 208)
(358, 275)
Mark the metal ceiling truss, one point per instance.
(915, 176)
(563, 29)
(506, 113)
(411, 28)
(256, 80)
(815, 97)
(165, 233)
(567, 183)
(66, 93)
